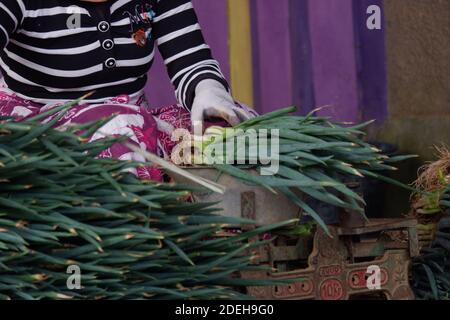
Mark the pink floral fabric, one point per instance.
(169, 119)
(150, 129)
(136, 121)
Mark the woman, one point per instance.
(54, 51)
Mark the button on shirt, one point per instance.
(110, 63)
(103, 26)
(108, 44)
(53, 50)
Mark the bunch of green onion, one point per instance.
(60, 206)
(316, 158)
(431, 270)
(445, 200)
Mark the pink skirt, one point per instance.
(150, 129)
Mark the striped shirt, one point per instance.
(58, 50)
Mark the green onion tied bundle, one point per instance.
(445, 200)
(316, 156)
(431, 270)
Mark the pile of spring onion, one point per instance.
(445, 200)
(60, 207)
(431, 206)
(431, 270)
(316, 158)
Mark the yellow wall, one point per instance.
(240, 50)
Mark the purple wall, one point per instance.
(273, 81)
(307, 53)
(214, 21)
(371, 64)
(282, 55)
(334, 58)
(312, 53)
(302, 66)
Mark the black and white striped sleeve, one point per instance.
(11, 16)
(186, 55)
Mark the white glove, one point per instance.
(212, 100)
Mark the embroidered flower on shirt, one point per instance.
(141, 20)
(142, 36)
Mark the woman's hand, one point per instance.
(212, 100)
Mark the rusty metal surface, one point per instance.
(351, 219)
(332, 276)
(363, 250)
(376, 225)
(270, 252)
(414, 242)
(331, 268)
(248, 205)
(235, 200)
